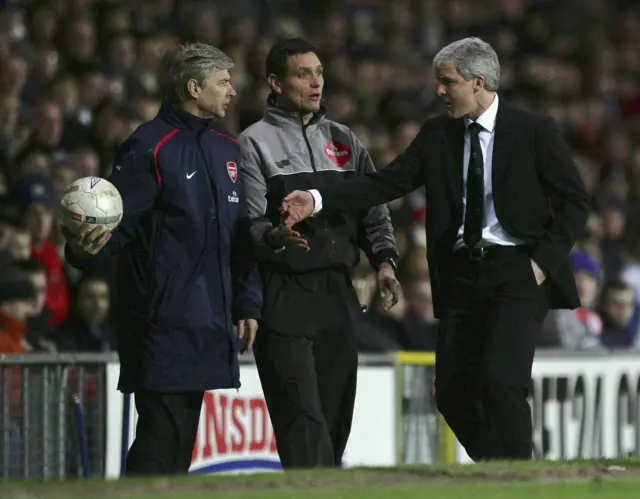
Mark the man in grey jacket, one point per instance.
(306, 352)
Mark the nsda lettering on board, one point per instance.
(235, 434)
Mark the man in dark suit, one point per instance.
(506, 204)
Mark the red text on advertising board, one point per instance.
(234, 426)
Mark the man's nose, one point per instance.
(441, 90)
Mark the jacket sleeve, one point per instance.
(400, 177)
(247, 285)
(256, 188)
(566, 193)
(136, 178)
(375, 232)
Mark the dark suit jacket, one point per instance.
(538, 193)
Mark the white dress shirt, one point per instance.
(492, 233)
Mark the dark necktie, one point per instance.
(474, 214)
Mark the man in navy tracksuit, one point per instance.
(186, 273)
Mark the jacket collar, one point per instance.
(285, 117)
(182, 119)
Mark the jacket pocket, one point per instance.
(532, 275)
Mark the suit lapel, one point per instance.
(502, 143)
(453, 148)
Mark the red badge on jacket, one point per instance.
(232, 170)
(337, 152)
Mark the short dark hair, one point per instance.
(93, 275)
(613, 285)
(281, 51)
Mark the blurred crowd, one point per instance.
(78, 76)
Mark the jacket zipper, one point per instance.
(306, 139)
(213, 186)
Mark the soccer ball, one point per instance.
(90, 202)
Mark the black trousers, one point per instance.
(165, 433)
(307, 359)
(484, 355)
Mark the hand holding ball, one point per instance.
(90, 209)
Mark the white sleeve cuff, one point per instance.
(317, 198)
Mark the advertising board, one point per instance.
(235, 433)
(584, 407)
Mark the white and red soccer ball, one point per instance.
(90, 202)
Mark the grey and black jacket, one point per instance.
(280, 155)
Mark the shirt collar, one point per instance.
(486, 120)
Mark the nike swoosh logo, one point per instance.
(189, 175)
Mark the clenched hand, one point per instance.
(246, 330)
(389, 286)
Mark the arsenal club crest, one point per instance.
(232, 170)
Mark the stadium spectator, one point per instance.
(8, 221)
(580, 328)
(20, 244)
(40, 335)
(88, 329)
(35, 195)
(17, 296)
(618, 311)
(47, 132)
(420, 323)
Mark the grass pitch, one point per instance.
(598, 479)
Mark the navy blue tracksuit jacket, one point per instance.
(184, 256)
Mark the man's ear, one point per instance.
(274, 83)
(193, 88)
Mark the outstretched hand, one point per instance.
(296, 207)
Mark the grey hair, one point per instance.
(195, 61)
(471, 57)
